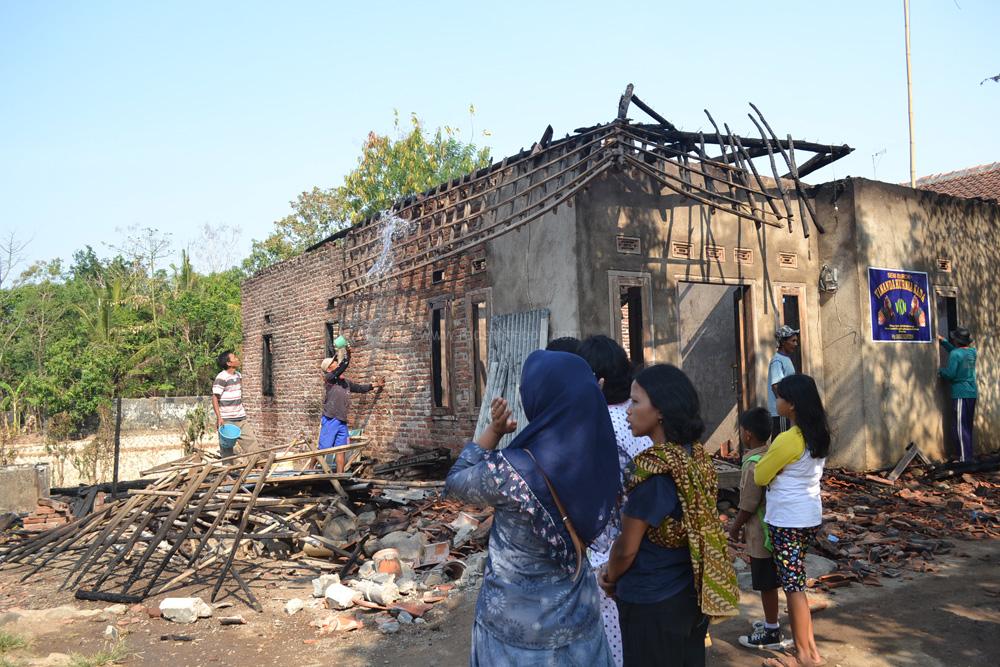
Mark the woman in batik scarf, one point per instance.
(669, 569)
(539, 602)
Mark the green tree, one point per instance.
(388, 169)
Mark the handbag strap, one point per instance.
(577, 542)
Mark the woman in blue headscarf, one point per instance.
(552, 496)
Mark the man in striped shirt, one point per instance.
(227, 399)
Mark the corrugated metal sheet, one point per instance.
(512, 338)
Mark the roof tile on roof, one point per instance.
(982, 182)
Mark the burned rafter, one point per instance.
(459, 215)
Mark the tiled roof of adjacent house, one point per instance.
(982, 182)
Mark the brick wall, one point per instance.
(389, 327)
(288, 301)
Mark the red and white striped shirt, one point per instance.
(229, 388)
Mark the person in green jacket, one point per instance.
(961, 373)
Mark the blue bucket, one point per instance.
(228, 435)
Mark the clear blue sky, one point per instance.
(176, 114)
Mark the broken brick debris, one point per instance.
(875, 529)
(250, 521)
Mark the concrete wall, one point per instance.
(895, 386)
(535, 266)
(631, 204)
(139, 451)
(844, 322)
(22, 485)
(161, 413)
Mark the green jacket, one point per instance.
(960, 371)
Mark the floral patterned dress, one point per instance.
(599, 552)
(530, 609)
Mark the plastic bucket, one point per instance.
(228, 435)
(340, 342)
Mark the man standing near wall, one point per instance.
(333, 430)
(781, 366)
(227, 400)
(961, 373)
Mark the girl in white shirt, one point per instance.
(791, 470)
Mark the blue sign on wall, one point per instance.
(899, 306)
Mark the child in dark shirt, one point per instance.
(755, 430)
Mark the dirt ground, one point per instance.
(949, 618)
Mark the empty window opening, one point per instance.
(267, 367)
(331, 303)
(480, 347)
(440, 366)
(437, 276)
(790, 316)
(631, 322)
(947, 319)
(330, 333)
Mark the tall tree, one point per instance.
(388, 169)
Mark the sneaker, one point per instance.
(761, 637)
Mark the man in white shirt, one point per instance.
(781, 366)
(227, 400)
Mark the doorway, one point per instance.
(717, 352)
(946, 316)
(631, 315)
(792, 315)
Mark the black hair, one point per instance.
(223, 359)
(564, 344)
(672, 393)
(810, 416)
(608, 360)
(758, 422)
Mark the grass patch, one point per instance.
(116, 652)
(11, 642)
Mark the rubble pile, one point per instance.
(390, 547)
(875, 529)
(50, 513)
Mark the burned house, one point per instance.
(689, 248)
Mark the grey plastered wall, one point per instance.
(628, 203)
(534, 266)
(843, 321)
(902, 399)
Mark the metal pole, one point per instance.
(909, 90)
(118, 439)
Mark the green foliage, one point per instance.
(195, 427)
(112, 653)
(75, 339)
(387, 170)
(10, 641)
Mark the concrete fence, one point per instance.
(152, 433)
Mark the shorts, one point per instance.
(790, 555)
(763, 574)
(332, 433)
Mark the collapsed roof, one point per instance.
(715, 169)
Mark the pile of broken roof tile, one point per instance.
(873, 529)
